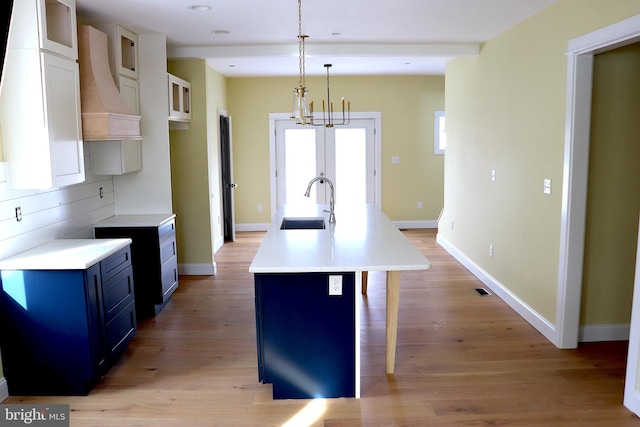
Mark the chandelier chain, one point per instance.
(301, 52)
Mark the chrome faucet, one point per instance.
(332, 215)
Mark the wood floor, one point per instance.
(462, 360)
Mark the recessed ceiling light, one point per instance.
(336, 34)
(220, 32)
(199, 7)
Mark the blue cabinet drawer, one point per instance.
(115, 263)
(167, 229)
(168, 251)
(120, 330)
(169, 280)
(118, 292)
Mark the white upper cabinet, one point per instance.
(123, 50)
(40, 101)
(126, 53)
(45, 24)
(179, 99)
(58, 33)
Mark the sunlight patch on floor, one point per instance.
(308, 415)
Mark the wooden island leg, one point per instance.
(393, 301)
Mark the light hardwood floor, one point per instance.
(462, 360)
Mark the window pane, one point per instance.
(351, 171)
(440, 134)
(300, 165)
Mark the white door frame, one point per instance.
(376, 116)
(632, 382)
(574, 192)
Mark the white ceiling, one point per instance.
(361, 37)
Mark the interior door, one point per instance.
(343, 154)
(228, 186)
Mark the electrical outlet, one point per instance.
(491, 250)
(260, 208)
(18, 214)
(335, 285)
(101, 192)
(493, 175)
(419, 205)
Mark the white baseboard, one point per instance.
(529, 314)
(197, 269)
(252, 227)
(4, 389)
(415, 224)
(399, 224)
(598, 333)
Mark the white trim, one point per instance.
(599, 333)
(573, 214)
(621, 33)
(398, 224)
(4, 389)
(536, 320)
(253, 227)
(416, 224)
(357, 325)
(197, 269)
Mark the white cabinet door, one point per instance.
(128, 88)
(40, 116)
(57, 27)
(62, 94)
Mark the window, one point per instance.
(440, 134)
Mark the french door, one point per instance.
(346, 155)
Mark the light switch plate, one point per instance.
(547, 186)
(335, 285)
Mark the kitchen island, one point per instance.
(307, 313)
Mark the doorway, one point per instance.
(228, 184)
(572, 235)
(349, 156)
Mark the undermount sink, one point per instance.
(289, 223)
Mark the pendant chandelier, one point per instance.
(302, 111)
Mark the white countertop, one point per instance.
(361, 239)
(142, 220)
(64, 254)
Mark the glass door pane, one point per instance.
(300, 165)
(351, 165)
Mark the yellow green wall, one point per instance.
(613, 199)
(194, 164)
(407, 105)
(506, 111)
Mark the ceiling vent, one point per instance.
(106, 116)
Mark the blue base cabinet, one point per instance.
(306, 337)
(155, 263)
(61, 330)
